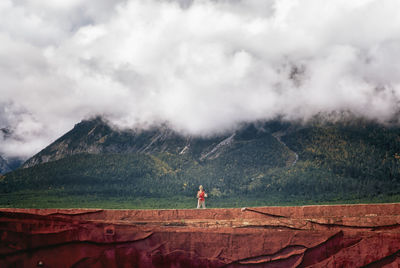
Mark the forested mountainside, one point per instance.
(272, 160)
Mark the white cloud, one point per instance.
(202, 66)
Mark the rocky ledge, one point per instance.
(307, 236)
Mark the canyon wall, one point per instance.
(307, 236)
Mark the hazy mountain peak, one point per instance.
(96, 136)
(4, 167)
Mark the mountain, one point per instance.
(9, 163)
(275, 161)
(4, 167)
(97, 137)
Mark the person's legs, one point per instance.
(201, 203)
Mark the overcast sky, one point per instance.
(201, 66)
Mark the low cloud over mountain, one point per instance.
(203, 67)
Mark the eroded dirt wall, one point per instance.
(309, 236)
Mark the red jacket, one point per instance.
(201, 195)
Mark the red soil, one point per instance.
(309, 236)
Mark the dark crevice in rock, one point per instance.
(76, 214)
(269, 227)
(289, 261)
(326, 249)
(80, 262)
(343, 226)
(263, 213)
(283, 254)
(384, 261)
(386, 227)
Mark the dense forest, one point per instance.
(273, 163)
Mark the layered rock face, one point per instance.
(309, 236)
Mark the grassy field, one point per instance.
(51, 199)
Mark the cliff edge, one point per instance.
(306, 236)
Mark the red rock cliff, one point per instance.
(309, 236)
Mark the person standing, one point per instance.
(201, 195)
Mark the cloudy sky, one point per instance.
(202, 66)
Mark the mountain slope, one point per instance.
(269, 161)
(8, 164)
(362, 151)
(173, 164)
(4, 167)
(96, 137)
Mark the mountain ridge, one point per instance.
(95, 136)
(273, 161)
